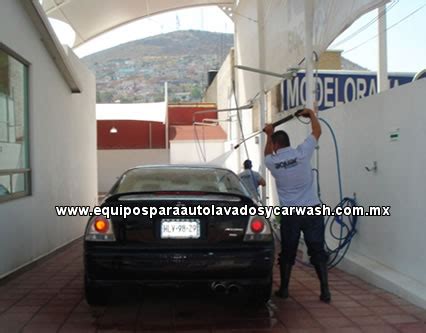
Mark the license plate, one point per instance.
(180, 229)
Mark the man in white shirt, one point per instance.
(251, 179)
(295, 184)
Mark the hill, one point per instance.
(136, 71)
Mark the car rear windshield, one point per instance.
(176, 179)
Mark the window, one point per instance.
(180, 179)
(14, 152)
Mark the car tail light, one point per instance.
(258, 230)
(101, 226)
(257, 225)
(100, 229)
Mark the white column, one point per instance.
(262, 96)
(382, 73)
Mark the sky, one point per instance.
(406, 40)
(210, 18)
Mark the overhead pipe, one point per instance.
(275, 124)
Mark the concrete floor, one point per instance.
(48, 297)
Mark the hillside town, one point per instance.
(135, 72)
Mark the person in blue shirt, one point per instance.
(251, 179)
(294, 178)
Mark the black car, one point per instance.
(184, 242)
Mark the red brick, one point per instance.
(335, 322)
(49, 298)
(412, 328)
(379, 329)
(356, 311)
(367, 320)
(400, 319)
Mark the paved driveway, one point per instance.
(48, 297)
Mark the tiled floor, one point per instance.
(49, 298)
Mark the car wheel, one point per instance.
(94, 295)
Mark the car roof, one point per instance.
(179, 166)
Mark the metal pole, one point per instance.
(309, 74)
(235, 88)
(262, 97)
(382, 73)
(166, 100)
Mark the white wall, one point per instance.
(246, 50)
(210, 95)
(112, 163)
(388, 251)
(62, 150)
(225, 99)
(221, 92)
(383, 252)
(224, 91)
(191, 152)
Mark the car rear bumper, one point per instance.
(143, 266)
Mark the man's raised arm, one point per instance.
(315, 124)
(269, 147)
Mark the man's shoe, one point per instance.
(322, 273)
(325, 295)
(282, 293)
(285, 272)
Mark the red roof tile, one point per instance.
(191, 133)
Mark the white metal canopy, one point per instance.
(91, 18)
(146, 111)
(272, 35)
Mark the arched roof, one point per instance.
(91, 18)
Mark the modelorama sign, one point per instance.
(337, 87)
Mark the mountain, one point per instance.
(136, 71)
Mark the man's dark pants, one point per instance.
(313, 232)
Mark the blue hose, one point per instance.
(345, 225)
(336, 149)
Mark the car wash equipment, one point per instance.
(277, 123)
